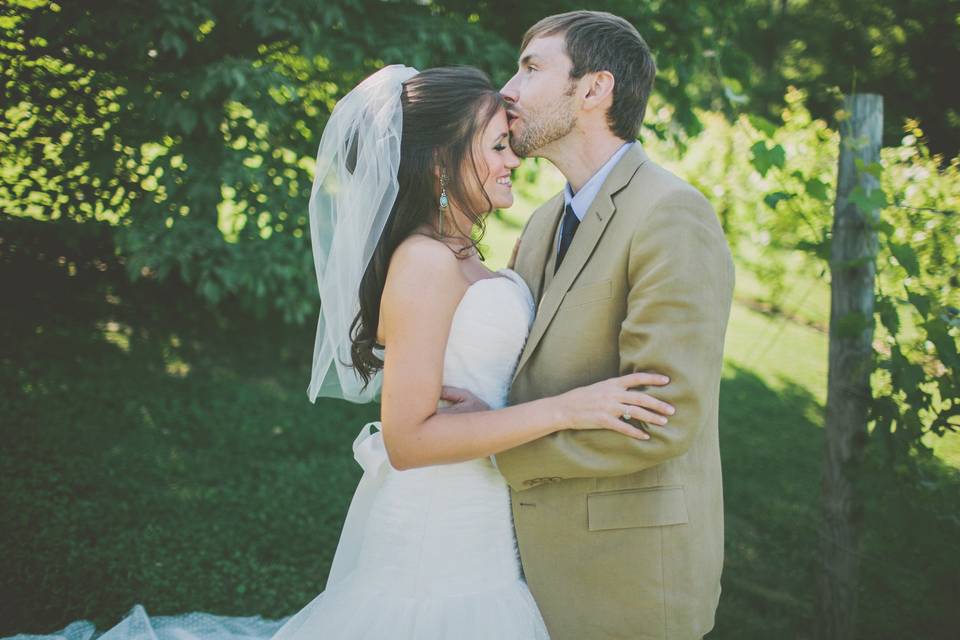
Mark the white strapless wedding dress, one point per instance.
(425, 554)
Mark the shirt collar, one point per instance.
(588, 192)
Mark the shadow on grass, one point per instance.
(159, 452)
(771, 443)
(155, 451)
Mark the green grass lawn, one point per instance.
(160, 453)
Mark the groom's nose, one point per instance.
(509, 91)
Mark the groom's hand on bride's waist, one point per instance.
(462, 401)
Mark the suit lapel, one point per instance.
(549, 266)
(537, 245)
(584, 241)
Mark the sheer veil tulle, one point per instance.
(354, 190)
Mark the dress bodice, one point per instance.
(487, 335)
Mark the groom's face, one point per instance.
(542, 96)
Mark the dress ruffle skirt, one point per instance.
(425, 554)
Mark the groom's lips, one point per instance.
(511, 117)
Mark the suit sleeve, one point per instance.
(680, 284)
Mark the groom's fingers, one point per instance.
(453, 394)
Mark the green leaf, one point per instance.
(820, 249)
(907, 258)
(762, 125)
(778, 156)
(771, 199)
(817, 189)
(884, 227)
(945, 344)
(889, 317)
(920, 302)
(868, 201)
(764, 158)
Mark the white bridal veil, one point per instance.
(353, 193)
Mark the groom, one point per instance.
(619, 538)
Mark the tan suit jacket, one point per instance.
(622, 538)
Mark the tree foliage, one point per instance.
(904, 51)
(192, 126)
(774, 188)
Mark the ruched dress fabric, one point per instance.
(425, 554)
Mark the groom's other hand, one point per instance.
(462, 401)
(513, 258)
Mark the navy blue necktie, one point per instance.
(568, 228)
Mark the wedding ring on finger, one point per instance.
(626, 416)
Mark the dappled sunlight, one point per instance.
(175, 365)
(781, 351)
(117, 334)
(945, 447)
(177, 368)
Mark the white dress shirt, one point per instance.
(582, 200)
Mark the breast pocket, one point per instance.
(648, 507)
(587, 294)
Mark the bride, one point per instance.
(409, 164)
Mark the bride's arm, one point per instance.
(423, 289)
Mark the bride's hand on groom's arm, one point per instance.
(610, 403)
(463, 401)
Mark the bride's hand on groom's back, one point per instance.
(610, 403)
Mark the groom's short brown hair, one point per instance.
(600, 41)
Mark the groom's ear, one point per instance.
(599, 90)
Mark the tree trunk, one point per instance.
(853, 271)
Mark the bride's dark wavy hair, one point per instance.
(444, 109)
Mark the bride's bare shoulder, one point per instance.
(421, 263)
(419, 248)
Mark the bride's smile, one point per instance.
(500, 161)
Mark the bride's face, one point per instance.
(499, 160)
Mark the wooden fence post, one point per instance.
(853, 272)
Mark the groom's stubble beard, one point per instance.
(546, 126)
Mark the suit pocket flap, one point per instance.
(588, 293)
(653, 507)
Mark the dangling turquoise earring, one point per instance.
(444, 201)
